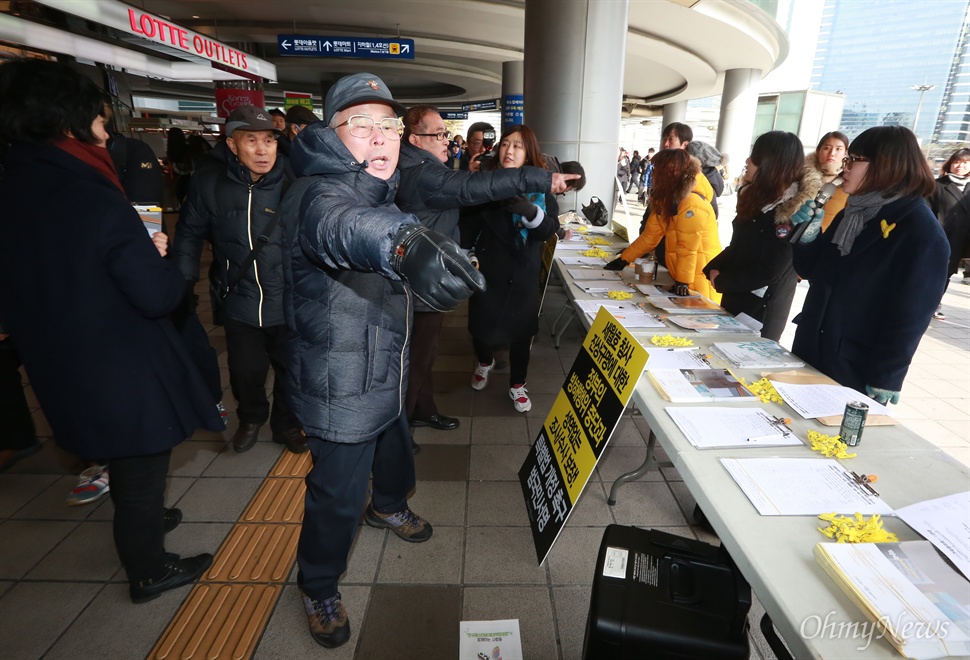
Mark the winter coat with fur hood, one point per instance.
(838, 200)
(692, 238)
(755, 271)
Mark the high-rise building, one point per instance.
(895, 60)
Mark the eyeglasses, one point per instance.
(849, 160)
(440, 137)
(361, 126)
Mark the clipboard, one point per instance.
(802, 378)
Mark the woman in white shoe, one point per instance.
(507, 237)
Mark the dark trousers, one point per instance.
(519, 353)
(16, 424)
(336, 491)
(138, 494)
(419, 400)
(251, 352)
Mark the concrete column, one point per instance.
(574, 54)
(512, 98)
(739, 105)
(676, 111)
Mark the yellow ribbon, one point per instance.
(886, 228)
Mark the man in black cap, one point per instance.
(353, 266)
(298, 117)
(235, 207)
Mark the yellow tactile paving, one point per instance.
(226, 612)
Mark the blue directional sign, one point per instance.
(488, 104)
(455, 116)
(305, 45)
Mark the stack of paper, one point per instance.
(593, 273)
(760, 354)
(945, 522)
(710, 323)
(917, 601)
(709, 427)
(685, 305)
(699, 385)
(820, 400)
(627, 313)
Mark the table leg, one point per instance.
(774, 641)
(558, 330)
(649, 463)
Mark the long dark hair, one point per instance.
(41, 101)
(781, 161)
(897, 166)
(674, 173)
(533, 154)
(958, 155)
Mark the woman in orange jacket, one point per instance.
(681, 211)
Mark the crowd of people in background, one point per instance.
(337, 247)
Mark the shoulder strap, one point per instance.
(261, 241)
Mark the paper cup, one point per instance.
(646, 278)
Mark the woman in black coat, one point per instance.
(507, 237)
(951, 204)
(754, 273)
(86, 294)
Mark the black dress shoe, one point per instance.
(245, 436)
(171, 519)
(440, 422)
(294, 439)
(178, 572)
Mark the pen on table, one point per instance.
(863, 480)
(763, 438)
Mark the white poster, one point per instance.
(490, 640)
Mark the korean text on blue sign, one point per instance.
(304, 45)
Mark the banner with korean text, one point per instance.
(577, 429)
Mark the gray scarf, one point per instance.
(859, 210)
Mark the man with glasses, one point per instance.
(353, 266)
(435, 194)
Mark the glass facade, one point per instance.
(875, 51)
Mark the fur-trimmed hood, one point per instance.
(811, 160)
(808, 187)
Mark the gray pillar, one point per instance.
(512, 101)
(676, 111)
(739, 105)
(574, 53)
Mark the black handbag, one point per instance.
(596, 212)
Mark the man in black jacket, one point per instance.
(435, 193)
(235, 207)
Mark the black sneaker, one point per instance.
(407, 524)
(327, 619)
(178, 573)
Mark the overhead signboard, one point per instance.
(487, 104)
(297, 98)
(453, 116)
(306, 45)
(578, 427)
(163, 31)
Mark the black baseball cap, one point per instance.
(249, 118)
(355, 89)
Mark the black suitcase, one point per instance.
(660, 596)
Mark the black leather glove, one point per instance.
(616, 264)
(434, 267)
(522, 206)
(680, 289)
(189, 302)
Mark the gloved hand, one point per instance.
(434, 267)
(813, 215)
(882, 396)
(522, 206)
(616, 264)
(680, 289)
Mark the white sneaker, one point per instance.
(520, 397)
(480, 377)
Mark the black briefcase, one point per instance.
(660, 596)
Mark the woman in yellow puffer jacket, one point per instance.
(681, 211)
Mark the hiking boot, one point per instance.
(520, 397)
(92, 485)
(327, 619)
(407, 524)
(480, 377)
(178, 572)
(245, 436)
(294, 439)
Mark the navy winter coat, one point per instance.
(348, 312)
(866, 312)
(86, 296)
(225, 207)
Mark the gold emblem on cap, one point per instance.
(373, 85)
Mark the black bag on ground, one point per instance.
(596, 212)
(660, 596)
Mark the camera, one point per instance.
(488, 140)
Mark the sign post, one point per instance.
(308, 45)
(575, 433)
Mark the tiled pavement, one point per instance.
(63, 594)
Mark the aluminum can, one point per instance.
(853, 423)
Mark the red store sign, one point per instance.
(156, 29)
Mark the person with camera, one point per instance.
(478, 147)
(235, 207)
(353, 266)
